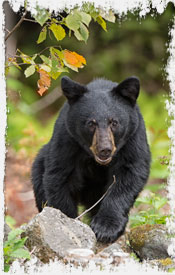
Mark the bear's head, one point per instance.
(102, 115)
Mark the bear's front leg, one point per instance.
(110, 221)
(58, 194)
(59, 169)
(108, 227)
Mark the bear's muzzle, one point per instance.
(103, 145)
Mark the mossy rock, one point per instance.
(149, 241)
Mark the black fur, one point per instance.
(65, 172)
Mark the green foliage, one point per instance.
(152, 215)
(25, 132)
(14, 248)
(10, 221)
(77, 21)
(41, 16)
(156, 120)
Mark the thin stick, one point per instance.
(30, 20)
(87, 210)
(16, 26)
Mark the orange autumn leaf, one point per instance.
(44, 82)
(74, 59)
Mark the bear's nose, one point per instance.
(105, 153)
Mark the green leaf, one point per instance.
(55, 75)
(78, 35)
(46, 59)
(6, 267)
(13, 234)
(86, 18)
(45, 68)
(73, 21)
(84, 32)
(55, 65)
(42, 16)
(137, 218)
(146, 200)
(58, 31)
(20, 243)
(34, 56)
(56, 53)
(7, 250)
(10, 221)
(29, 71)
(90, 9)
(42, 35)
(109, 16)
(159, 203)
(26, 58)
(101, 22)
(20, 253)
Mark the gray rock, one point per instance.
(150, 241)
(113, 250)
(112, 255)
(53, 234)
(80, 252)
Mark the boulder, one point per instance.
(150, 241)
(54, 235)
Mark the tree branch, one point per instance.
(16, 26)
(87, 210)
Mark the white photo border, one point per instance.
(120, 8)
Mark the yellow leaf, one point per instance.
(58, 31)
(101, 22)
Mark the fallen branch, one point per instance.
(87, 210)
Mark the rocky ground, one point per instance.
(53, 237)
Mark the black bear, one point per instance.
(99, 134)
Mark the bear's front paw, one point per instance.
(107, 229)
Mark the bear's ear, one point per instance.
(129, 89)
(71, 89)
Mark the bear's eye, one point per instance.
(114, 123)
(91, 124)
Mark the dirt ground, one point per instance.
(19, 197)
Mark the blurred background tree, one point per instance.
(131, 46)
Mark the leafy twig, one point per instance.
(16, 26)
(20, 64)
(30, 55)
(87, 210)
